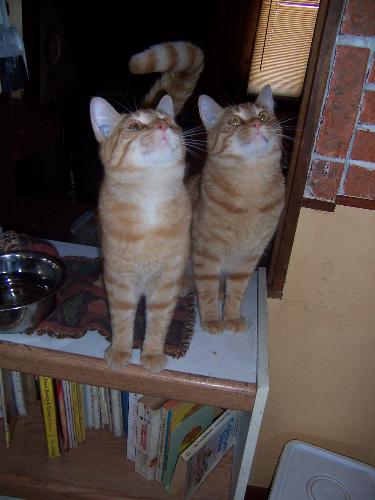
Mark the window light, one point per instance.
(282, 46)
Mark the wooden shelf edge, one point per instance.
(94, 371)
(32, 487)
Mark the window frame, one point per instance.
(317, 74)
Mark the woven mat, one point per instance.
(81, 304)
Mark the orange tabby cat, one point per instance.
(144, 209)
(241, 199)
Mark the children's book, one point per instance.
(65, 446)
(89, 406)
(186, 421)
(148, 435)
(47, 398)
(19, 392)
(125, 410)
(116, 412)
(8, 404)
(198, 460)
(132, 425)
(96, 406)
(69, 413)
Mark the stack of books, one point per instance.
(174, 442)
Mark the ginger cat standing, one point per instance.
(144, 209)
(241, 199)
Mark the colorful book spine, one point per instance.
(148, 436)
(89, 406)
(96, 406)
(116, 410)
(163, 458)
(125, 410)
(81, 409)
(19, 393)
(49, 415)
(132, 425)
(75, 411)
(63, 417)
(69, 413)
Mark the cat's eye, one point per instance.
(235, 121)
(135, 125)
(263, 116)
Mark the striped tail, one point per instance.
(181, 64)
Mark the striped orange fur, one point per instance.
(240, 201)
(145, 216)
(181, 64)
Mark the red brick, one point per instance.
(371, 76)
(359, 18)
(364, 146)
(324, 179)
(360, 183)
(341, 107)
(368, 109)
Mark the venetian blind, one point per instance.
(282, 46)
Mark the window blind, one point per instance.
(282, 46)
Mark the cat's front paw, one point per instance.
(237, 325)
(153, 362)
(213, 327)
(117, 360)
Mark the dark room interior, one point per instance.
(76, 50)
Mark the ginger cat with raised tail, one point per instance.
(144, 209)
(240, 202)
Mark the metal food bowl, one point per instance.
(28, 285)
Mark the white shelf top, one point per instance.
(229, 356)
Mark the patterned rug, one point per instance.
(81, 304)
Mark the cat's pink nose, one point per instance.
(257, 124)
(161, 124)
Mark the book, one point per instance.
(186, 422)
(148, 435)
(69, 414)
(8, 405)
(65, 445)
(19, 392)
(125, 410)
(81, 409)
(96, 406)
(89, 406)
(164, 426)
(132, 425)
(74, 399)
(116, 411)
(104, 414)
(198, 460)
(47, 397)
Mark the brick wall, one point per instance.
(342, 169)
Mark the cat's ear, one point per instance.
(104, 118)
(166, 105)
(265, 99)
(209, 111)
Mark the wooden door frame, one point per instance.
(317, 74)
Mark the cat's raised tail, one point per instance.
(181, 64)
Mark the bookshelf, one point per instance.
(230, 371)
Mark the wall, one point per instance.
(322, 342)
(322, 333)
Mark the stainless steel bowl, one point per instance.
(28, 285)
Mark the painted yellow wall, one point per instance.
(322, 342)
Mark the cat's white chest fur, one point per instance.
(151, 211)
